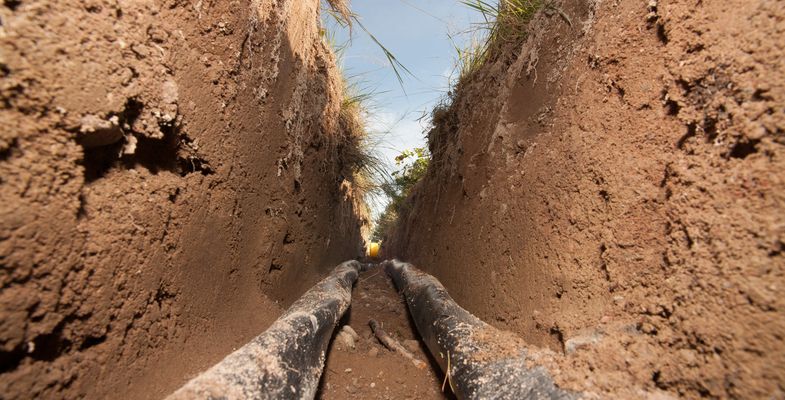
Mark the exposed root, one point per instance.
(393, 344)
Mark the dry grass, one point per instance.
(355, 149)
(360, 167)
(359, 155)
(505, 22)
(342, 10)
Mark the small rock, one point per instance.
(351, 389)
(373, 352)
(345, 340)
(96, 131)
(348, 370)
(372, 385)
(349, 330)
(130, 144)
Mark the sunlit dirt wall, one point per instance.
(166, 186)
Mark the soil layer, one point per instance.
(613, 189)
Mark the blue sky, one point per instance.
(418, 33)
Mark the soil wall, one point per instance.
(613, 190)
(169, 182)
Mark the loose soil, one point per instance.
(370, 371)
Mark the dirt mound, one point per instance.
(168, 181)
(612, 189)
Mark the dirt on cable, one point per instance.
(169, 180)
(613, 191)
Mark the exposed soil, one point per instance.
(173, 174)
(168, 181)
(370, 371)
(613, 190)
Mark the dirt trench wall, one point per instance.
(615, 192)
(168, 184)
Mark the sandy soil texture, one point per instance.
(369, 370)
(168, 182)
(613, 190)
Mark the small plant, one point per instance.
(412, 166)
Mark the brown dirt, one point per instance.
(123, 276)
(373, 371)
(612, 190)
(615, 187)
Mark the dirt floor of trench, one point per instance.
(369, 370)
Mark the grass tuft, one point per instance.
(357, 148)
(341, 11)
(504, 22)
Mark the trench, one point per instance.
(301, 356)
(603, 184)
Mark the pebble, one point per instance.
(373, 385)
(346, 340)
(349, 330)
(348, 370)
(373, 352)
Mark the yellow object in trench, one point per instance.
(373, 249)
